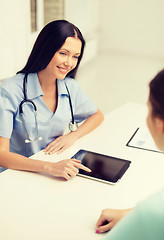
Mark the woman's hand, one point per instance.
(66, 168)
(61, 143)
(108, 218)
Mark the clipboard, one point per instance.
(142, 139)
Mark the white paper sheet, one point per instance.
(141, 138)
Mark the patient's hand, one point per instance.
(108, 218)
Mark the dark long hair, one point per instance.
(156, 95)
(49, 41)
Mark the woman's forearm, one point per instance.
(18, 162)
(90, 124)
(67, 168)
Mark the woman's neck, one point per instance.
(49, 88)
(47, 81)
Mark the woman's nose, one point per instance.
(68, 62)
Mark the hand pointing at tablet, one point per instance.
(67, 168)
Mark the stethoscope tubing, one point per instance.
(72, 125)
(70, 103)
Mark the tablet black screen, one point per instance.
(103, 167)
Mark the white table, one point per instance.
(39, 207)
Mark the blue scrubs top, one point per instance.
(145, 222)
(50, 125)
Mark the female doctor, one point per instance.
(146, 220)
(43, 98)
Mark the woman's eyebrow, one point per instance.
(68, 51)
(64, 49)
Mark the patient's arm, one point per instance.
(108, 218)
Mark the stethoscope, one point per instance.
(72, 125)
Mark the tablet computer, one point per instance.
(103, 168)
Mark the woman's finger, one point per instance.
(70, 172)
(61, 150)
(81, 166)
(52, 145)
(105, 228)
(54, 148)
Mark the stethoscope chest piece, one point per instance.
(73, 126)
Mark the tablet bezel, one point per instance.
(119, 174)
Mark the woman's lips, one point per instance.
(63, 70)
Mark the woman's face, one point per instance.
(155, 126)
(65, 59)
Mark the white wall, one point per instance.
(133, 27)
(85, 15)
(13, 35)
(16, 39)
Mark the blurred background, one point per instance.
(124, 50)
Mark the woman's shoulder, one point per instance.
(72, 84)
(13, 84)
(12, 88)
(153, 206)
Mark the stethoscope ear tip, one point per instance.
(30, 141)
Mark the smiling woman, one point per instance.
(65, 59)
(45, 88)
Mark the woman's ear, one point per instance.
(160, 125)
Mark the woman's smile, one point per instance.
(63, 70)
